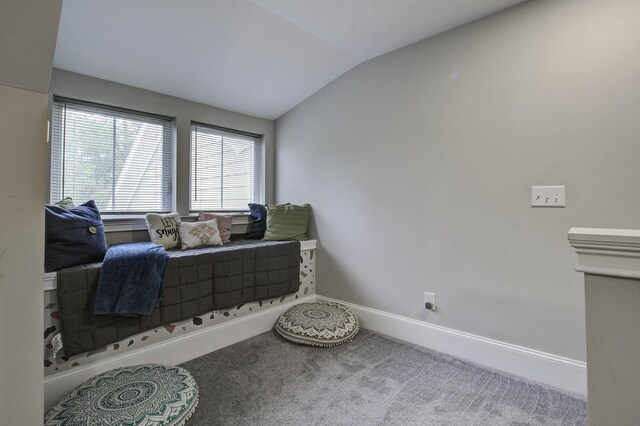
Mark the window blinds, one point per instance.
(226, 169)
(121, 159)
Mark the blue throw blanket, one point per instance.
(131, 279)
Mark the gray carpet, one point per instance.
(373, 380)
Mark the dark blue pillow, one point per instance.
(73, 236)
(259, 225)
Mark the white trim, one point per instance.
(611, 252)
(173, 351)
(51, 281)
(308, 245)
(115, 224)
(554, 370)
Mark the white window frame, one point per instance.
(56, 187)
(258, 165)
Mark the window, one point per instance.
(226, 169)
(121, 159)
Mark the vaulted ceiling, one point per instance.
(258, 57)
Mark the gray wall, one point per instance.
(78, 86)
(418, 166)
(23, 132)
(28, 33)
(28, 30)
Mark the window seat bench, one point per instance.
(192, 286)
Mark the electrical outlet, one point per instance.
(430, 301)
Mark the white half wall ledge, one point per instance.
(564, 373)
(609, 252)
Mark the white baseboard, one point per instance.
(553, 370)
(560, 372)
(173, 351)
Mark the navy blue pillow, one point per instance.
(259, 225)
(73, 236)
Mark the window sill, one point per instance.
(127, 223)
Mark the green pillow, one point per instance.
(66, 203)
(287, 222)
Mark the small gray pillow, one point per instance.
(224, 224)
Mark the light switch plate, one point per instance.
(548, 196)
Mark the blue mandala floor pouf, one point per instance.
(140, 395)
(318, 324)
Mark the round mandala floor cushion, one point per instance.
(140, 395)
(318, 324)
